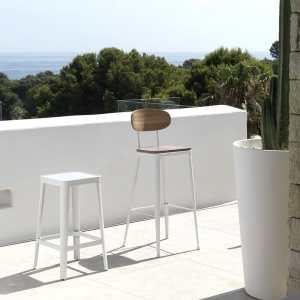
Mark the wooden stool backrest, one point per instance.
(150, 119)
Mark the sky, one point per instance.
(144, 25)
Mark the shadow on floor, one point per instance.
(25, 281)
(239, 294)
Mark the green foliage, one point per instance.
(225, 56)
(240, 86)
(8, 98)
(200, 74)
(187, 64)
(187, 97)
(274, 50)
(17, 111)
(91, 83)
(202, 71)
(74, 91)
(133, 76)
(275, 66)
(109, 101)
(3, 77)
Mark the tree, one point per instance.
(225, 56)
(109, 102)
(274, 50)
(203, 71)
(17, 112)
(73, 92)
(200, 74)
(243, 87)
(187, 64)
(133, 76)
(8, 98)
(3, 77)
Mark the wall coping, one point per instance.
(108, 118)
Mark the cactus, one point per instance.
(268, 118)
(278, 100)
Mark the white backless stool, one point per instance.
(155, 120)
(65, 181)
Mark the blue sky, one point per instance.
(146, 25)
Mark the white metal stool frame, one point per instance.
(65, 181)
(158, 155)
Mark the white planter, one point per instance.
(262, 193)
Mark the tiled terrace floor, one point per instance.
(213, 272)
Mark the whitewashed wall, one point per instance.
(105, 145)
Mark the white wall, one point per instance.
(105, 145)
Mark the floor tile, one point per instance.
(182, 272)
(177, 280)
(227, 260)
(87, 291)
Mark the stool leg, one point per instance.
(101, 223)
(156, 165)
(39, 223)
(64, 218)
(194, 197)
(76, 219)
(131, 198)
(166, 206)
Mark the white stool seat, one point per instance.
(70, 178)
(65, 181)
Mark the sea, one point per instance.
(17, 65)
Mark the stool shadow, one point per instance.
(119, 260)
(23, 281)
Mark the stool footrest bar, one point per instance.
(48, 244)
(138, 212)
(152, 206)
(50, 237)
(97, 241)
(84, 245)
(185, 208)
(144, 207)
(86, 235)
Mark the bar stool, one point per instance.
(64, 181)
(155, 120)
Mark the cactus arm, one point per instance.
(283, 74)
(268, 132)
(274, 97)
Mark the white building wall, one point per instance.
(105, 145)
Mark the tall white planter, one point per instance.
(262, 193)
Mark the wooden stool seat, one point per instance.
(162, 149)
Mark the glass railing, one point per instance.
(157, 103)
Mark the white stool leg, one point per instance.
(76, 218)
(131, 198)
(64, 218)
(156, 168)
(166, 206)
(39, 223)
(194, 197)
(101, 223)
